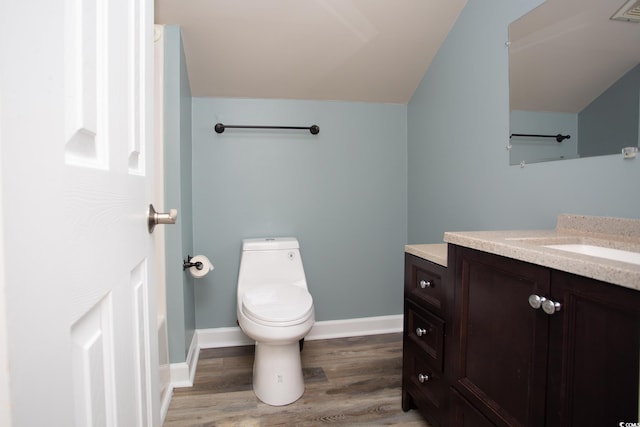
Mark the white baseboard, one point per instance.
(222, 337)
(165, 401)
(327, 329)
(182, 374)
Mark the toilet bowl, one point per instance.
(275, 310)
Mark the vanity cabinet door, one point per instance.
(501, 353)
(465, 415)
(594, 353)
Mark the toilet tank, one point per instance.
(270, 244)
(271, 261)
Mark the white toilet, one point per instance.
(275, 309)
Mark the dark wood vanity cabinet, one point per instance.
(594, 353)
(516, 365)
(424, 385)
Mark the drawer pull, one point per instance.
(420, 332)
(425, 284)
(423, 378)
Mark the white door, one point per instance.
(76, 109)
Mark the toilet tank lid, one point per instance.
(270, 244)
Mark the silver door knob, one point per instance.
(154, 218)
(550, 307)
(423, 378)
(420, 332)
(425, 284)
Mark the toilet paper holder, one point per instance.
(186, 263)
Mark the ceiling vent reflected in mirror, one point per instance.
(629, 12)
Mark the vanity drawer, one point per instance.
(423, 283)
(424, 384)
(426, 331)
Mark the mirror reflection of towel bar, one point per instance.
(558, 137)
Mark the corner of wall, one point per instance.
(177, 169)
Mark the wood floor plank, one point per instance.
(348, 381)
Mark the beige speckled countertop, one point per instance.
(529, 246)
(436, 252)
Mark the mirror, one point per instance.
(574, 69)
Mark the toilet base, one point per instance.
(277, 373)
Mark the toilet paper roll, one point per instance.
(206, 266)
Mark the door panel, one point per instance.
(92, 362)
(85, 84)
(503, 342)
(465, 415)
(594, 353)
(138, 82)
(140, 289)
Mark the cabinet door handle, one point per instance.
(420, 332)
(551, 307)
(423, 378)
(547, 305)
(536, 301)
(425, 283)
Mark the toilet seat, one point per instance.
(277, 305)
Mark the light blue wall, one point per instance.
(342, 193)
(178, 175)
(459, 176)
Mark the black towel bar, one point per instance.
(558, 137)
(219, 127)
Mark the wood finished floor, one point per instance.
(348, 381)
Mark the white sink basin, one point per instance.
(600, 252)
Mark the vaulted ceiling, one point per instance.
(352, 50)
(562, 54)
